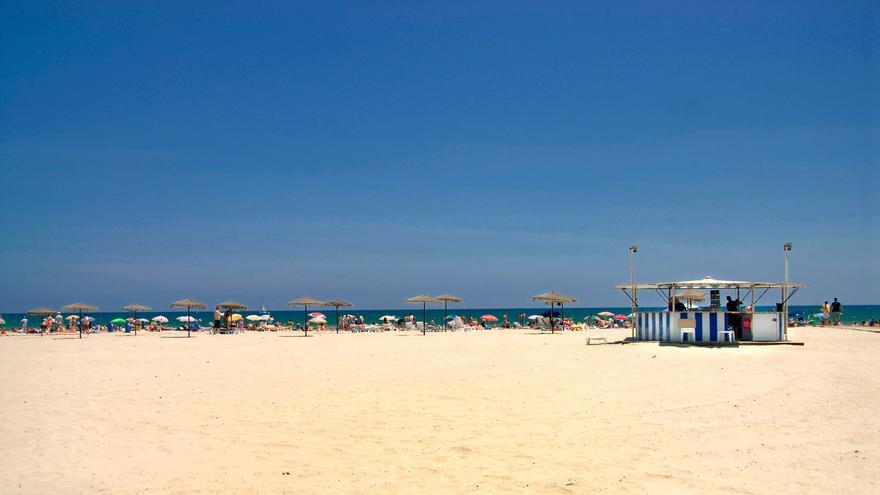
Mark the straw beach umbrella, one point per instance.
(189, 304)
(305, 302)
(552, 298)
(41, 312)
(690, 295)
(338, 303)
(424, 299)
(447, 298)
(134, 308)
(79, 307)
(234, 306)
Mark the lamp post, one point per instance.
(786, 249)
(633, 249)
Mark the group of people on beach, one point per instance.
(830, 314)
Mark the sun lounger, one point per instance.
(596, 335)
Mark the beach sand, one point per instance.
(500, 411)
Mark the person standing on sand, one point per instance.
(217, 316)
(826, 314)
(227, 318)
(835, 313)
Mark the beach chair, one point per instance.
(688, 327)
(724, 334)
(594, 335)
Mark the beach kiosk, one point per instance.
(715, 322)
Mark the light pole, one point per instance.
(787, 249)
(633, 249)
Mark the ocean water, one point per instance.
(851, 313)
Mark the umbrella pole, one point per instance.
(305, 320)
(80, 324)
(562, 314)
(552, 323)
(337, 319)
(445, 316)
(424, 317)
(187, 322)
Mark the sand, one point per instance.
(494, 412)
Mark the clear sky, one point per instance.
(494, 150)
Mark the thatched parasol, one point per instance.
(446, 298)
(41, 312)
(134, 308)
(234, 306)
(79, 307)
(690, 295)
(188, 304)
(337, 303)
(305, 302)
(424, 299)
(552, 298)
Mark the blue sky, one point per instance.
(377, 150)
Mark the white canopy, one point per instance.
(710, 283)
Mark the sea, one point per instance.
(850, 314)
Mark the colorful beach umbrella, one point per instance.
(253, 317)
(185, 319)
(621, 317)
(605, 314)
(160, 319)
(489, 318)
(317, 315)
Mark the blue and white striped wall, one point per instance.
(663, 326)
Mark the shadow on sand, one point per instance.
(711, 345)
(868, 330)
